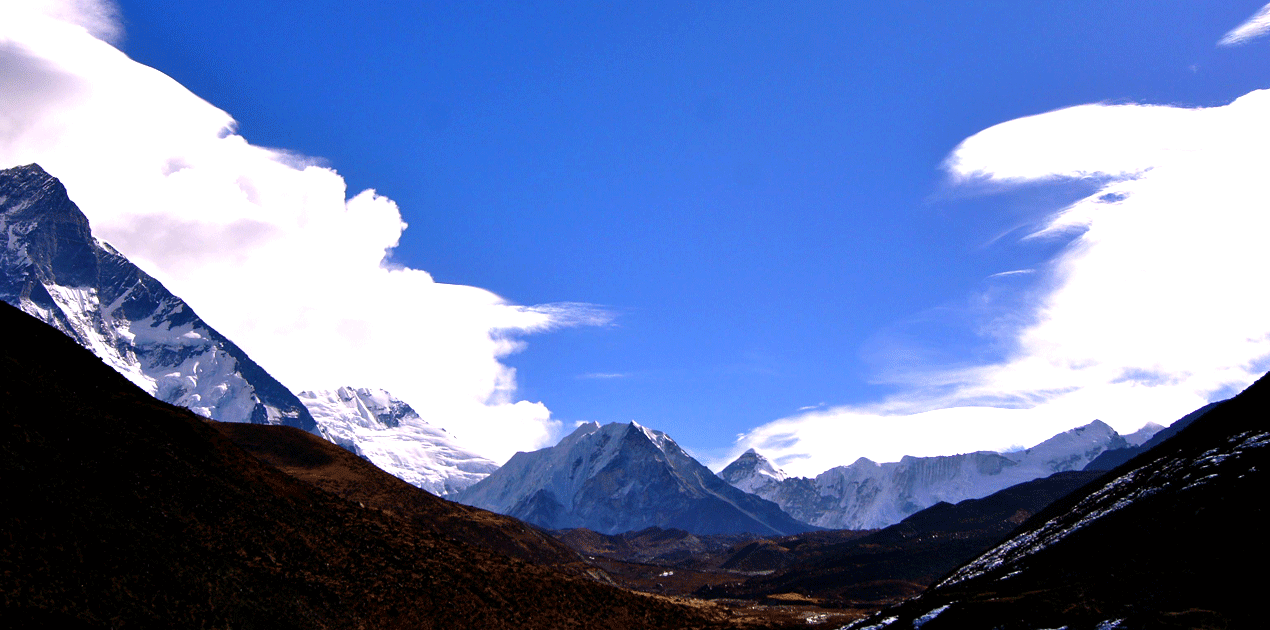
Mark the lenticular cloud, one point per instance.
(269, 246)
(1152, 309)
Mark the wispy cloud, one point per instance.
(1256, 26)
(1152, 309)
(268, 246)
(1014, 272)
(602, 375)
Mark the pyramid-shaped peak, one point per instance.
(751, 471)
(608, 477)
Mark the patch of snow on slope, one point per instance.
(926, 618)
(1121, 492)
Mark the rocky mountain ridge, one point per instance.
(51, 267)
(868, 495)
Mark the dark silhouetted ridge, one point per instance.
(123, 511)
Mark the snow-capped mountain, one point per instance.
(752, 471)
(868, 495)
(52, 267)
(391, 435)
(623, 477)
(1148, 431)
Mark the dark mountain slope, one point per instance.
(900, 560)
(1173, 538)
(320, 463)
(125, 511)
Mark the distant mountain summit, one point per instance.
(390, 434)
(1147, 432)
(752, 471)
(868, 495)
(623, 477)
(52, 267)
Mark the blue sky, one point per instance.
(752, 198)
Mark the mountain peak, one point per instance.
(1078, 446)
(29, 173)
(1148, 431)
(751, 472)
(622, 477)
(51, 267)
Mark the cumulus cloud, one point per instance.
(268, 246)
(1256, 26)
(1153, 308)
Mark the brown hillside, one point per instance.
(124, 511)
(333, 469)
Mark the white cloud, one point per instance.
(266, 245)
(1155, 306)
(100, 18)
(1256, 26)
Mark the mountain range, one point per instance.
(868, 495)
(127, 510)
(53, 268)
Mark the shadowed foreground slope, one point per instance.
(882, 567)
(125, 511)
(320, 463)
(1173, 538)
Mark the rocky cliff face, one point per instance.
(52, 267)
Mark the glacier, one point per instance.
(391, 435)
